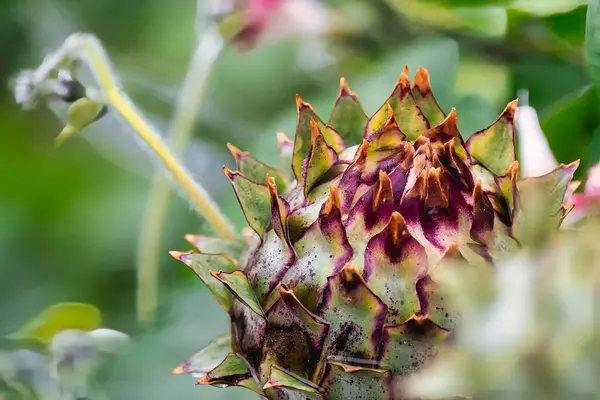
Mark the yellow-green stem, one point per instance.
(98, 63)
(87, 49)
(148, 259)
(188, 104)
(194, 192)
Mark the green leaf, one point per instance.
(534, 71)
(254, 200)
(348, 117)
(237, 283)
(208, 358)
(578, 115)
(57, 318)
(569, 26)
(203, 265)
(592, 41)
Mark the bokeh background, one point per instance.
(70, 217)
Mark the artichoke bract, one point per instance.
(331, 295)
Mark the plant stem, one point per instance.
(197, 195)
(189, 101)
(88, 49)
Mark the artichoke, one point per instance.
(331, 294)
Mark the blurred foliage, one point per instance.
(529, 328)
(57, 318)
(70, 216)
(53, 356)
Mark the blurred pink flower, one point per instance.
(588, 202)
(256, 16)
(278, 20)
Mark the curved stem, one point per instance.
(195, 193)
(88, 49)
(189, 101)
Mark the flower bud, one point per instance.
(80, 114)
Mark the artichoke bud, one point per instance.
(337, 296)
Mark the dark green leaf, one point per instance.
(592, 40)
(570, 123)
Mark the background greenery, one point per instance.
(70, 217)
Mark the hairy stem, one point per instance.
(88, 49)
(189, 101)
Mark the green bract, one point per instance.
(333, 297)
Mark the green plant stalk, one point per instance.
(87, 49)
(189, 101)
